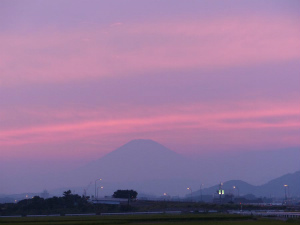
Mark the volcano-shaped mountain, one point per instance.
(138, 160)
(149, 167)
(143, 165)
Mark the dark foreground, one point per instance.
(209, 219)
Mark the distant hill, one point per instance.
(274, 188)
(242, 188)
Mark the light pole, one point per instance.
(26, 196)
(96, 186)
(165, 196)
(285, 193)
(201, 192)
(235, 187)
(98, 191)
(191, 193)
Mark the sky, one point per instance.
(80, 78)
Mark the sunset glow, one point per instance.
(197, 77)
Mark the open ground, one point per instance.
(208, 219)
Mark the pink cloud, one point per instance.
(206, 125)
(86, 53)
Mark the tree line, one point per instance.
(68, 203)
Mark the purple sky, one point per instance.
(80, 78)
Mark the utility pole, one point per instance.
(96, 187)
(201, 192)
(235, 187)
(191, 193)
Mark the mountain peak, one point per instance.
(141, 142)
(145, 147)
(140, 159)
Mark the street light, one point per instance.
(235, 187)
(98, 191)
(201, 191)
(191, 193)
(166, 196)
(285, 187)
(96, 186)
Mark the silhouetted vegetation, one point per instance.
(37, 205)
(73, 203)
(128, 194)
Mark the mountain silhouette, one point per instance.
(273, 188)
(276, 187)
(138, 160)
(144, 165)
(241, 188)
(149, 167)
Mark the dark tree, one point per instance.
(128, 194)
(67, 193)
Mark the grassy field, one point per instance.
(145, 219)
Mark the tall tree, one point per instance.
(128, 194)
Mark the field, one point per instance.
(145, 219)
